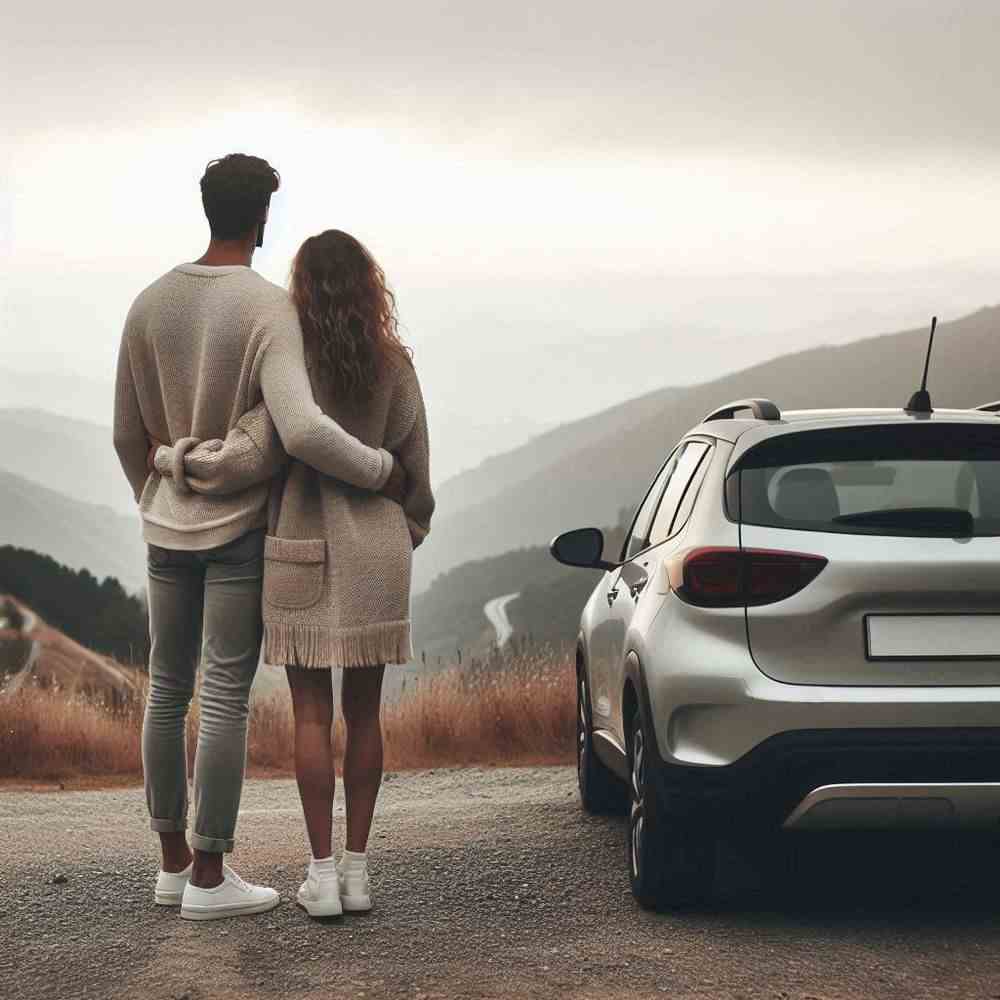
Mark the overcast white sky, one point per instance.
(712, 181)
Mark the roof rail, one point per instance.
(990, 407)
(762, 409)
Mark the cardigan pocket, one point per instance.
(293, 571)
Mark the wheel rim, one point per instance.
(581, 725)
(637, 813)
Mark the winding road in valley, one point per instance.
(490, 883)
(496, 611)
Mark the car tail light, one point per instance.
(730, 577)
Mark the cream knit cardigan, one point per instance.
(337, 559)
(201, 347)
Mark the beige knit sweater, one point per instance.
(201, 347)
(337, 559)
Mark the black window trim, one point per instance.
(676, 528)
(702, 438)
(623, 556)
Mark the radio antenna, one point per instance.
(920, 401)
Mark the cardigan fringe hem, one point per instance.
(319, 647)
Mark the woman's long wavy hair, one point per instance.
(347, 312)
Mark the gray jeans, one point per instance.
(203, 607)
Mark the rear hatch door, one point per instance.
(907, 516)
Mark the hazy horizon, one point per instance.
(867, 306)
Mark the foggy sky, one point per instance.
(847, 79)
(532, 176)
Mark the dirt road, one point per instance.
(489, 884)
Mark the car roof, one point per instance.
(734, 429)
(747, 432)
(887, 415)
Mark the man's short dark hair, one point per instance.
(235, 191)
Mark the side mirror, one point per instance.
(582, 547)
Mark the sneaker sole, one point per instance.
(168, 898)
(230, 910)
(327, 908)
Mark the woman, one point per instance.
(337, 558)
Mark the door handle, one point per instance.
(612, 596)
(637, 588)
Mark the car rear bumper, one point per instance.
(727, 734)
(790, 774)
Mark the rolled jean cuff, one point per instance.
(167, 825)
(212, 845)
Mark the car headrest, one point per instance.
(806, 495)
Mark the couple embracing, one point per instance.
(277, 447)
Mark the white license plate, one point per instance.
(933, 637)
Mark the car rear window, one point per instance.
(920, 480)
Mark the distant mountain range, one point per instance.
(460, 439)
(584, 472)
(81, 535)
(73, 457)
(58, 473)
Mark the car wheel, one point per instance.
(671, 855)
(601, 791)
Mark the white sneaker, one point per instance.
(170, 887)
(319, 895)
(355, 891)
(231, 898)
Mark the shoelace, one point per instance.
(235, 879)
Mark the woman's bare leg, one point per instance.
(312, 703)
(361, 693)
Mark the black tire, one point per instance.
(670, 850)
(602, 792)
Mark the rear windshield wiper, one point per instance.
(952, 522)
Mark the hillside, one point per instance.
(449, 616)
(79, 534)
(65, 455)
(584, 472)
(502, 471)
(38, 655)
(100, 614)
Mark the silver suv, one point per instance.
(802, 630)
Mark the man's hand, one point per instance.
(395, 485)
(151, 455)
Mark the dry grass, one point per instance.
(48, 736)
(518, 710)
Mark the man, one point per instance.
(202, 346)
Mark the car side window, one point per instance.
(688, 462)
(691, 492)
(640, 525)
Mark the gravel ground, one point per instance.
(490, 883)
